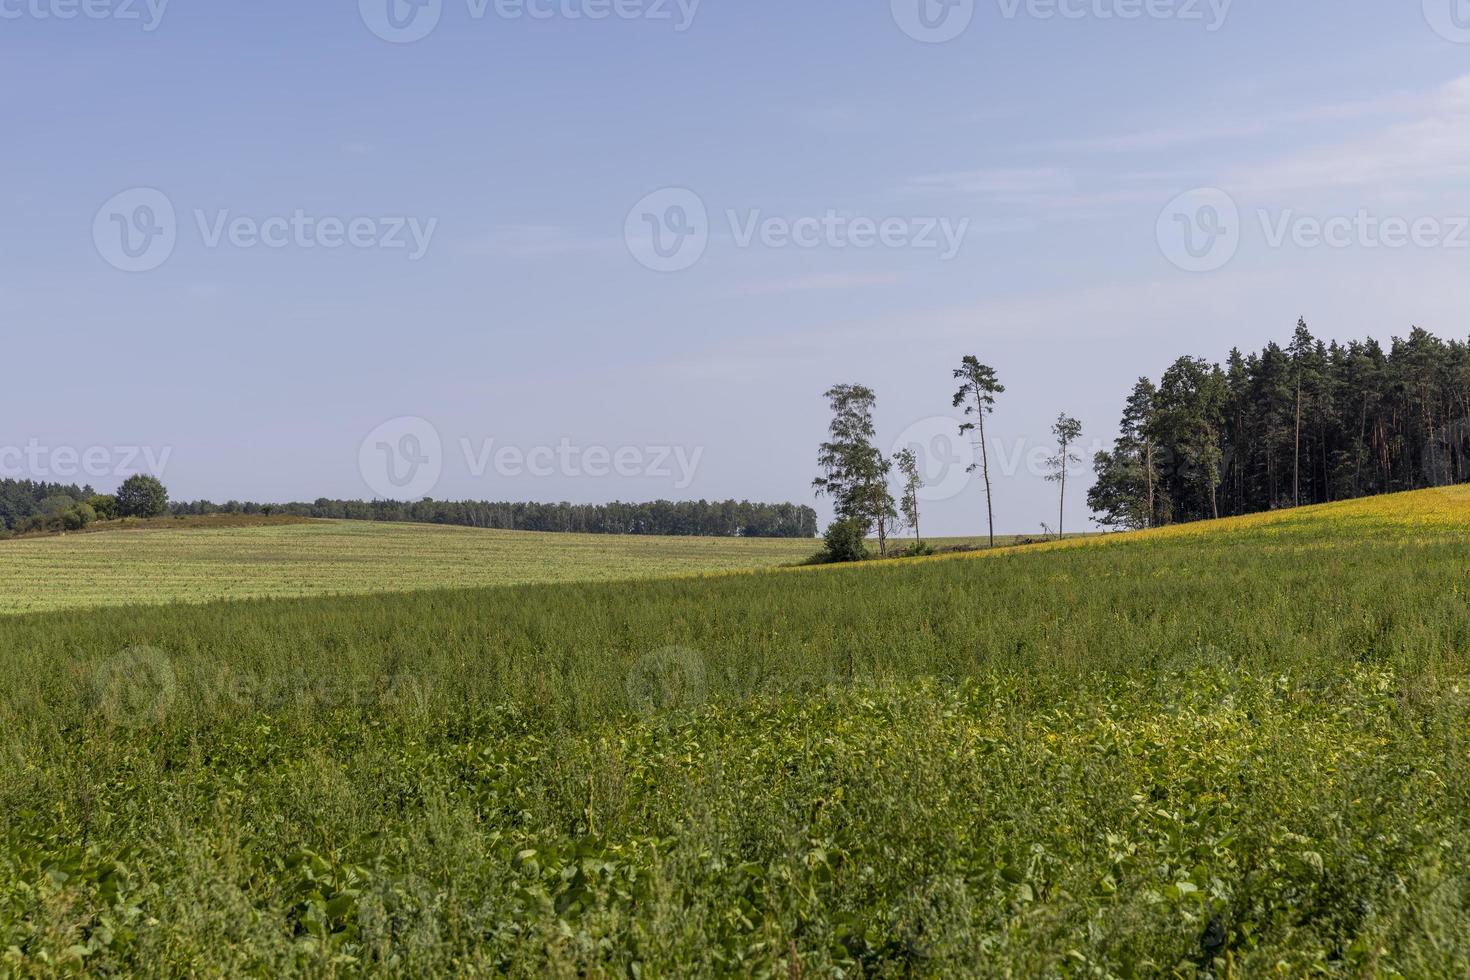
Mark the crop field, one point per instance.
(1228, 750)
(290, 557)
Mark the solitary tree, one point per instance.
(978, 389)
(1067, 430)
(908, 465)
(855, 474)
(1301, 348)
(141, 496)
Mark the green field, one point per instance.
(167, 564)
(1236, 749)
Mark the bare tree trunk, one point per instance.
(1296, 473)
(1148, 475)
(1062, 507)
(1362, 437)
(985, 466)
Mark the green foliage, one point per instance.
(666, 518)
(78, 518)
(22, 500)
(908, 465)
(854, 471)
(104, 505)
(142, 496)
(1195, 752)
(210, 558)
(979, 384)
(1304, 424)
(846, 541)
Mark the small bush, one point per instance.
(105, 504)
(846, 541)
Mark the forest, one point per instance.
(701, 518)
(1308, 423)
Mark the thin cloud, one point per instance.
(540, 240)
(839, 280)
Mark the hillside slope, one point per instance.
(205, 561)
(1240, 749)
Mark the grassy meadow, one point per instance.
(203, 560)
(1228, 750)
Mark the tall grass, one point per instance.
(1232, 752)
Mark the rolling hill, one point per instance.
(1234, 749)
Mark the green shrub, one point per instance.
(846, 541)
(105, 504)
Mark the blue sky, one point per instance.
(488, 175)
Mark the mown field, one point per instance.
(1235, 750)
(162, 563)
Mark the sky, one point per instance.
(617, 249)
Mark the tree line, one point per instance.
(1307, 423)
(31, 506)
(701, 518)
(855, 474)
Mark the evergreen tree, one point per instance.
(978, 388)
